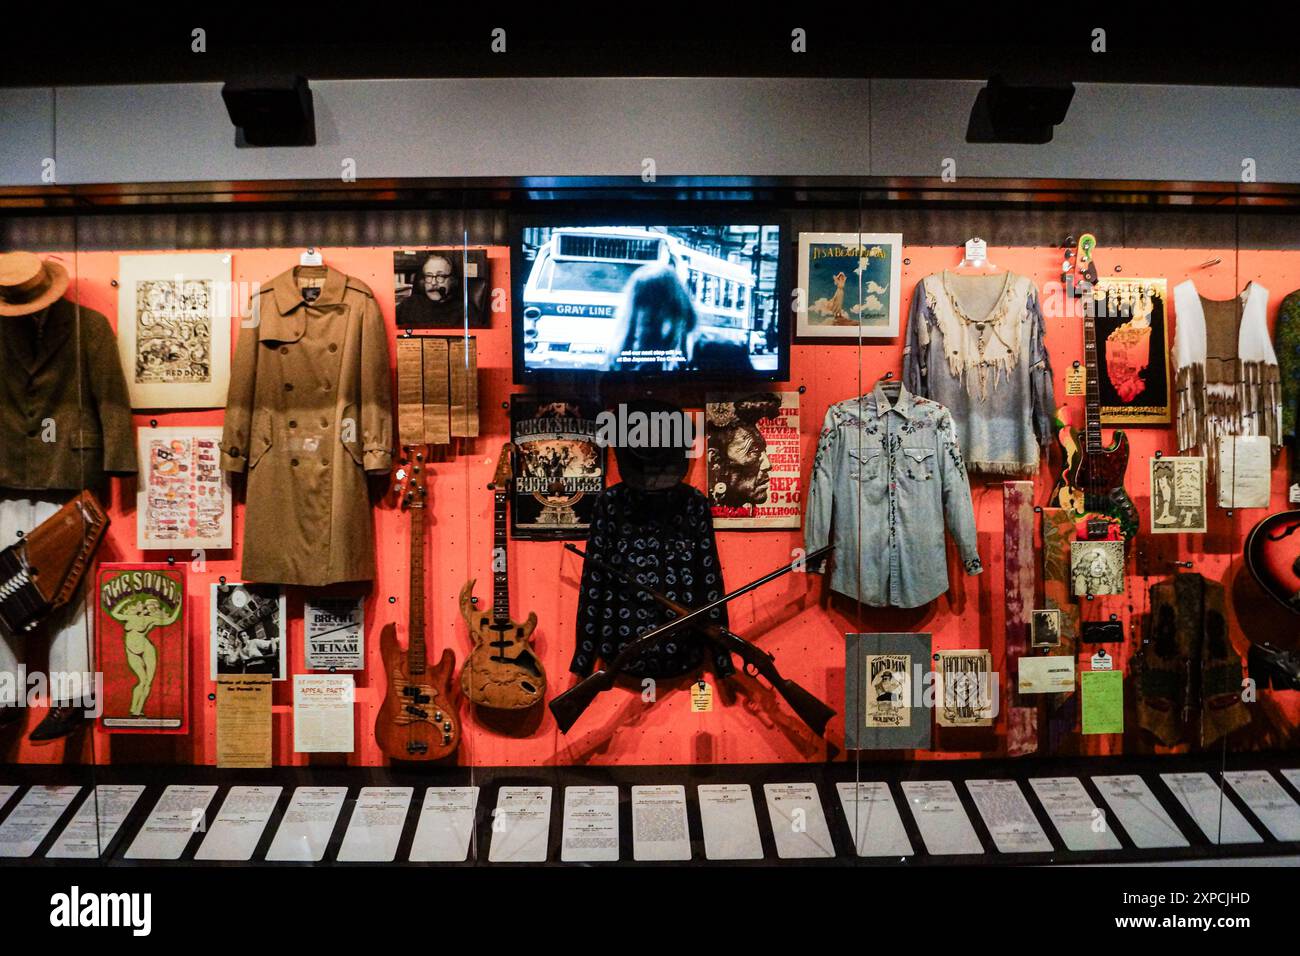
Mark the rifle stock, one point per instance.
(569, 706)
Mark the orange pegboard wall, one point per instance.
(791, 618)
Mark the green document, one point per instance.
(1103, 702)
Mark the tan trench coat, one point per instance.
(309, 412)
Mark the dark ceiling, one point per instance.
(386, 40)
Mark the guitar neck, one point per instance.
(1092, 441)
(500, 567)
(416, 657)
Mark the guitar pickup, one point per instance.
(416, 712)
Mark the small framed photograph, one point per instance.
(849, 284)
(1045, 628)
(444, 287)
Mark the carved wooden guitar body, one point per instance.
(418, 718)
(502, 672)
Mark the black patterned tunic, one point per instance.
(665, 540)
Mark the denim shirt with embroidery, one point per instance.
(990, 370)
(887, 478)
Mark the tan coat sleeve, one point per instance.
(112, 402)
(376, 392)
(237, 435)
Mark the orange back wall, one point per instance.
(791, 618)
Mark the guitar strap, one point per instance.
(1058, 532)
(1018, 578)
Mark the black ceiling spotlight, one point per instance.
(271, 111)
(1015, 112)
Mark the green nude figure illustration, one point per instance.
(138, 618)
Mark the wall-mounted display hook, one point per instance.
(1159, 454)
(803, 389)
(391, 599)
(1210, 262)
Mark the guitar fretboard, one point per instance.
(415, 627)
(1092, 393)
(500, 570)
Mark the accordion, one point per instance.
(41, 572)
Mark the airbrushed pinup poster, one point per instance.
(141, 637)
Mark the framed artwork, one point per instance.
(1045, 628)
(183, 496)
(559, 468)
(753, 460)
(173, 329)
(140, 647)
(1132, 351)
(1097, 567)
(247, 634)
(1177, 495)
(964, 689)
(439, 287)
(849, 284)
(884, 707)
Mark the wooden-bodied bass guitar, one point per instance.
(1092, 480)
(503, 672)
(418, 718)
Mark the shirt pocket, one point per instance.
(865, 461)
(919, 463)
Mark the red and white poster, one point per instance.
(141, 647)
(753, 467)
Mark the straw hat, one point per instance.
(28, 284)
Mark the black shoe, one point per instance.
(10, 714)
(59, 722)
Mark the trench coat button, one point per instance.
(325, 463)
(234, 452)
(333, 347)
(324, 423)
(288, 386)
(294, 462)
(293, 423)
(284, 350)
(325, 386)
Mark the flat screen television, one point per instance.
(625, 299)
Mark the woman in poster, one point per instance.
(138, 617)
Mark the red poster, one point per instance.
(141, 644)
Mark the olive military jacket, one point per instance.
(65, 416)
(308, 413)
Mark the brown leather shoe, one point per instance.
(59, 722)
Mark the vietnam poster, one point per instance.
(753, 460)
(141, 642)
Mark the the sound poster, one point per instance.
(559, 467)
(141, 642)
(1132, 351)
(753, 460)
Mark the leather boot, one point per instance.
(59, 722)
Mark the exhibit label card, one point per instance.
(798, 821)
(322, 713)
(308, 822)
(333, 632)
(590, 825)
(521, 825)
(1139, 812)
(1268, 801)
(239, 823)
(446, 825)
(243, 720)
(1292, 777)
(107, 805)
(1103, 702)
(1046, 675)
(31, 821)
(376, 825)
(1077, 818)
(1214, 813)
(1008, 816)
(729, 822)
(1245, 471)
(941, 818)
(176, 817)
(659, 830)
(873, 816)
(6, 792)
